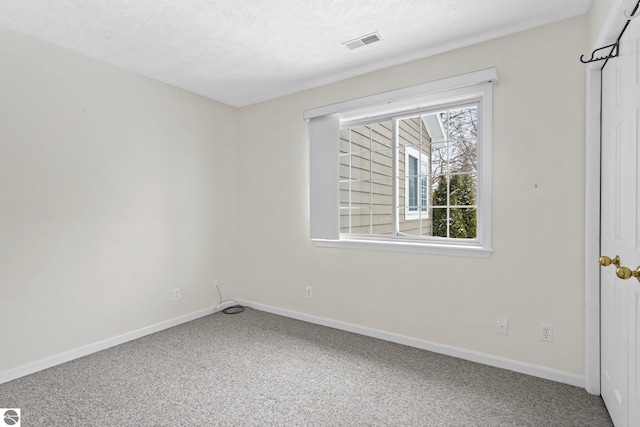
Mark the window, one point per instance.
(409, 174)
(416, 189)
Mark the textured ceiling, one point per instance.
(245, 51)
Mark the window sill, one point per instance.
(410, 247)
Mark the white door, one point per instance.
(620, 231)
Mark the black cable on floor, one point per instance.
(234, 309)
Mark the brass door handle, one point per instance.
(606, 261)
(626, 273)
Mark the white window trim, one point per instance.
(449, 248)
(408, 214)
(324, 149)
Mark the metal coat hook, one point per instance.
(595, 55)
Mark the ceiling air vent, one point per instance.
(362, 41)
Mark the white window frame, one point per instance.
(324, 128)
(422, 211)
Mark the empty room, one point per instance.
(292, 213)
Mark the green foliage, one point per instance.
(462, 222)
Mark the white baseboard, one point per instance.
(460, 353)
(67, 356)
(486, 359)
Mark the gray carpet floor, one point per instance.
(259, 369)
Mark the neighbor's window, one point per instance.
(416, 189)
(416, 177)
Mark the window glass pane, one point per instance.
(345, 196)
(366, 181)
(367, 220)
(412, 205)
(382, 186)
(345, 218)
(360, 138)
(361, 198)
(381, 135)
(360, 186)
(439, 222)
(439, 158)
(381, 164)
(462, 123)
(359, 219)
(435, 175)
(413, 170)
(401, 192)
(360, 166)
(463, 155)
(440, 191)
(410, 132)
(344, 167)
(462, 190)
(344, 141)
(434, 124)
(416, 228)
(462, 223)
(412, 181)
(424, 192)
(458, 223)
(382, 220)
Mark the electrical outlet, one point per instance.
(502, 325)
(546, 332)
(176, 294)
(309, 292)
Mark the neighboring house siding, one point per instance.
(366, 168)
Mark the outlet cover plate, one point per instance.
(546, 332)
(502, 325)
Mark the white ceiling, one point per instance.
(245, 51)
